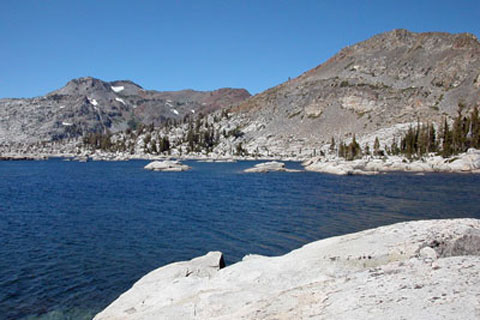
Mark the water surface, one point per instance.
(73, 236)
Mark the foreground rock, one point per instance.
(413, 270)
(468, 162)
(272, 166)
(168, 166)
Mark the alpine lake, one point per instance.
(74, 236)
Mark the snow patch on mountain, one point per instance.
(92, 101)
(120, 100)
(117, 89)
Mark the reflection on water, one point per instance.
(73, 236)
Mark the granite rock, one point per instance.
(166, 166)
(272, 166)
(411, 270)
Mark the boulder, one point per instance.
(272, 166)
(410, 270)
(162, 286)
(167, 165)
(342, 167)
(468, 161)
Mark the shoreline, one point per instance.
(431, 266)
(468, 162)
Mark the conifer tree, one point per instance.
(164, 144)
(367, 149)
(457, 132)
(332, 145)
(432, 140)
(446, 140)
(190, 138)
(422, 140)
(353, 150)
(409, 142)
(341, 150)
(376, 147)
(153, 148)
(474, 129)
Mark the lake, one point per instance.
(74, 236)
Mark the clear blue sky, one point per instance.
(202, 45)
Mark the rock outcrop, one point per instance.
(468, 162)
(166, 166)
(411, 270)
(272, 166)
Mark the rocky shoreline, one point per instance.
(411, 270)
(21, 158)
(468, 162)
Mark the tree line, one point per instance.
(423, 139)
(200, 135)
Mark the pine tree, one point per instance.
(164, 144)
(105, 143)
(422, 140)
(408, 145)
(367, 149)
(332, 145)
(475, 129)
(446, 140)
(341, 150)
(376, 147)
(191, 138)
(394, 150)
(457, 142)
(432, 141)
(153, 148)
(239, 149)
(353, 150)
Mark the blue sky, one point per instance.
(202, 45)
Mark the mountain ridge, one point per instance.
(377, 87)
(88, 104)
(392, 78)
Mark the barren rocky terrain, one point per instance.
(393, 78)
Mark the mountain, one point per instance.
(390, 79)
(91, 105)
(376, 88)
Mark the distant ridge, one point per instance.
(91, 105)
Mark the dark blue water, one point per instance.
(73, 236)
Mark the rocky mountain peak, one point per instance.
(89, 85)
(81, 86)
(396, 77)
